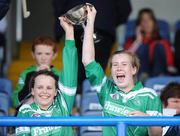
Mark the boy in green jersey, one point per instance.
(44, 51)
(47, 101)
(123, 96)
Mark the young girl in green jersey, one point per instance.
(123, 96)
(44, 85)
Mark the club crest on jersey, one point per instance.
(115, 96)
(36, 115)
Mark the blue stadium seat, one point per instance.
(91, 131)
(90, 105)
(86, 87)
(157, 83)
(5, 93)
(177, 25)
(163, 26)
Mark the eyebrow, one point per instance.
(120, 62)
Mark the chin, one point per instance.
(122, 85)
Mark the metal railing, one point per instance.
(120, 122)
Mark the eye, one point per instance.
(175, 101)
(38, 53)
(48, 54)
(124, 64)
(114, 64)
(49, 88)
(40, 87)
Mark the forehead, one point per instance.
(173, 99)
(146, 16)
(121, 58)
(43, 47)
(44, 79)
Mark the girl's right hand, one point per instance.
(67, 26)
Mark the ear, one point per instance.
(32, 92)
(55, 55)
(134, 70)
(56, 92)
(32, 53)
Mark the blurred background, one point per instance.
(19, 32)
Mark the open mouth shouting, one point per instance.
(120, 77)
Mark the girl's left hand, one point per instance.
(91, 14)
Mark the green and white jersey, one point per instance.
(63, 103)
(22, 87)
(118, 103)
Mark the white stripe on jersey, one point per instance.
(22, 130)
(145, 90)
(27, 108)
(67, 90)
(98, 87)
(151, 96)
(20, 81)
(153, 113)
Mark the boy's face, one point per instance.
(174, 103)
(44, 91)
(122, 71)
(44, 55)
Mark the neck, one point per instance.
(128, 88)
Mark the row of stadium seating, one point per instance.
(90, 104)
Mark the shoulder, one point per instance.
(147, 92)
(26, 72)
(29, 69)
(25, 108)
(55, 70)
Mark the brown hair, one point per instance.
(155, 34)
(134, 59)
(44, 40)
(172, 90)
(46, 73)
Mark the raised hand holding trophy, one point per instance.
(78, 16)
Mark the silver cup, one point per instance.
(78, 16)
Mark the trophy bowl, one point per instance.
(77, 15)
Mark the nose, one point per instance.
(44, 90)
(118, 68)
(43, 57)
